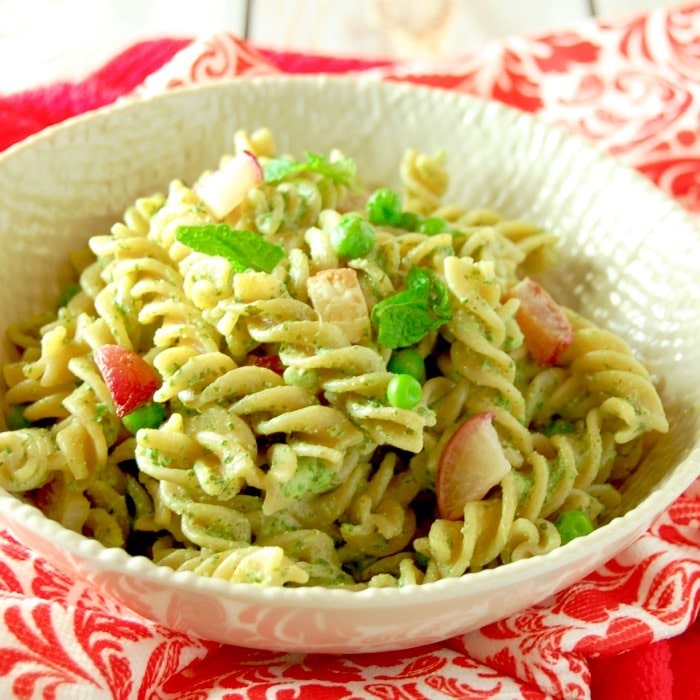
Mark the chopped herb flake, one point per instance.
(559, 427)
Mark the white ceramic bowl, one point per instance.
(629, 261)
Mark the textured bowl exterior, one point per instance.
(629, 261)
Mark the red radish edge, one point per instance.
(546, 328)
(471, 464)
(131, 381)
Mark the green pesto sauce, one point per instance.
(310, 478)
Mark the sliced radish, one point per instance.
(130, 379)
(225, 188)
(545, 326)
(471, 464)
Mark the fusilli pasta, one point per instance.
(335, 366)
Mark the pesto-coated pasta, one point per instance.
(333, 373)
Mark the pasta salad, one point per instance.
(281, 376)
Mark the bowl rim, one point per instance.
(318, 81)
(116, 560)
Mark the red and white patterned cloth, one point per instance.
(628, 630)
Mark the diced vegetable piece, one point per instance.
(224, 189)
(130, 379)
(149, 416)
(404, 391)
(572, 524)
(337, 297)
(352, 236)
(545, 326)
(407, 361)
(472, 463)
(272, 362)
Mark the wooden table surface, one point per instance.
(42, 41)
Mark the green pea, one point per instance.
(149, 416)
(432, 226)
(352, 236)
(404, 391)
(407, 361)
(384, 207)
(572, 524)
(16, 418)
(410, 220)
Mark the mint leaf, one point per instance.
(245, 250)
(437, 293)
(406, 317)
(276, 169)
(341, 171)
(402, 319)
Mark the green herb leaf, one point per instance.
(276, 169)
(402, 319)
(341, 170)
(245, 250)
(406, 317)
(437, 293)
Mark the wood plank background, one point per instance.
(42, 41)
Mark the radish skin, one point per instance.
(472, 463)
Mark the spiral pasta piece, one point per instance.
(261, 142)
(454, 547)
(265, 566)
(424, 181)
(482, 336)
(28, 457)
(609, 370)
(381, 522)
(517, 248)
(284, 207)
(598, 372)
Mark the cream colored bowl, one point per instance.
(629, 261)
